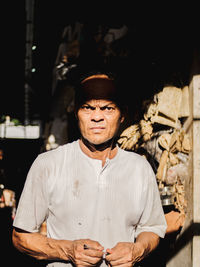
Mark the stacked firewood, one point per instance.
(160, 134)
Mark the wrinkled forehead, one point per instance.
(99, 102)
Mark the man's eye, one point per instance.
(86, 107)
(107, 108)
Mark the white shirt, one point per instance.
(81, 199)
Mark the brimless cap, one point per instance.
(98, 86)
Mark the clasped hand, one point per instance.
(86, 252)
(124, 254)
(81, 256)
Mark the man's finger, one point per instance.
(93, 253)
(113, 257)
(129, 264)
(120, 261)
(87, 261)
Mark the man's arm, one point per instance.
(44, 248)
(148, 241)
(128, 253)
(40, 246)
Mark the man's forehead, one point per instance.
(99, 102)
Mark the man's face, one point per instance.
(99, 120)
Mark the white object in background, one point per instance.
(14, 131)
(32, 131)
(21, 132)
(2, 130)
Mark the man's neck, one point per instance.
(101, 152)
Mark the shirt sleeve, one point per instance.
(152, 218)
(33, 203)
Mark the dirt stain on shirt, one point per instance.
(76, 190)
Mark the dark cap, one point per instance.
(98, 86)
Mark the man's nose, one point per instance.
(97, 115)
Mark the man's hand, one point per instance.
(85, 252)
(175, 221)
(124, 254)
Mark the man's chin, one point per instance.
(97, 142)
(100, 144)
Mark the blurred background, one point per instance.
(47, 45)
(156, 46)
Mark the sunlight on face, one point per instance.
(99, 120)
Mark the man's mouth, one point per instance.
(97, 128)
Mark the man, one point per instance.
(101, 204)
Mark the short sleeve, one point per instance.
(32, 208)
(152, 218)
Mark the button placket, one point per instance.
(102, 180)
(102, 175)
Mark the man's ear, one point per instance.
(76, 114)
(121, 119)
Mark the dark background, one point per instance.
(162, 41)
(163, 48)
